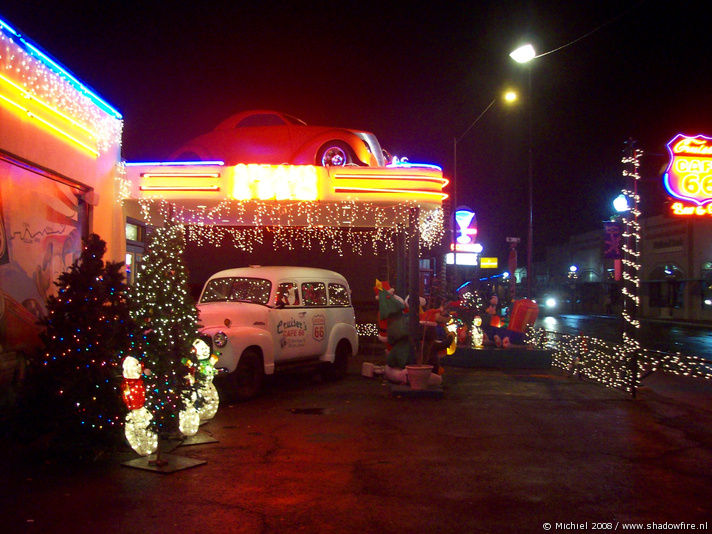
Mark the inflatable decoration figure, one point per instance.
(398, 344)
(439, 337)
(208, 399)
(137, 429)
(524, 314)
(382, 321)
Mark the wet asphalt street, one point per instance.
(687, 338)
(501, 451)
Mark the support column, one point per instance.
(414, 278)
(400, 284)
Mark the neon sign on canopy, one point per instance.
(278, 182)
(688, 176)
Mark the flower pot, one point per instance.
(418, 375)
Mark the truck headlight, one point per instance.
(220, 339)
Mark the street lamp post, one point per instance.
(509, 97)
(453, 196)
(524, 54)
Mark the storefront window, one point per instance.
(706, 286)
(667, 287)
(135, 248)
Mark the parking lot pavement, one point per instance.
(501, 451)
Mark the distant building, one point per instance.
(676, 271)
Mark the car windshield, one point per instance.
(260, 119)
(237, 289)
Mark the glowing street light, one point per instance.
(510, 96)
(523, 54)
(620, 203)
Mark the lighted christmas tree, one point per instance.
(166, 319)
(73, 384)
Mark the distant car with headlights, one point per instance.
(549, 304)
(260, 319)
(272, 137)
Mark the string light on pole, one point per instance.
(631, 261)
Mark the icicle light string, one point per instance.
(349, 225)
(46, 85)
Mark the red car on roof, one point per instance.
(263, 136)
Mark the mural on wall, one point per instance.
(40, 227)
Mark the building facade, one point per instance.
(60, 147)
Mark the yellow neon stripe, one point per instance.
(30, 96)
(52, 126)
(6, 99)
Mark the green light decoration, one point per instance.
(74, 383)
(166, 319)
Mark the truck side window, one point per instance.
(314, 294)
(287, 294)
(338, 295)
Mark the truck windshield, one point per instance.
(237, 289)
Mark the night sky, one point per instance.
(416, 76)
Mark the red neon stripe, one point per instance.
(403, 191)
(399, 178)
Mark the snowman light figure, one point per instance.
(205, 372)
(477, 335)
(188, 417)
(137, 429)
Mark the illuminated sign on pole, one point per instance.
(688, 176)
(463, 258)
(488, 263)
(466, 225)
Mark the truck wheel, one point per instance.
(339, 367)
(248, 377)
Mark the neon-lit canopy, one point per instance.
(211, 183)
(209, 196)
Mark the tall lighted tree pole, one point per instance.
(631, 258)
(166, 318)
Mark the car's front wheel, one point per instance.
(334, 154)
(248, 377)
